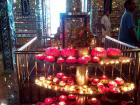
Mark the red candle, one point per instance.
(49, 59)
(96, 59)
(83, 60)
(113, 52)
(98, 52)
(100, 85)
(62, 83)
(50, 78)
(119, 81)
(60, 60)
(104, 77)
(64, 78)
(55, 80)
(59, 75)
(70, 81)
(40, 56)
(71, 60)
(63, 98)
(49, 101)
(52, 51)
(112, 84)
(115, 90)
(62, 103)
(71, 97)
(95, 81)
(93, 100)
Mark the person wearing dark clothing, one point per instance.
(127, 26)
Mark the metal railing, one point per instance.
(130, 51)
(28, 68)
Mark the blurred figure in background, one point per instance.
(127, 32)
(106, 25)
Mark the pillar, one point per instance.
(7, 33)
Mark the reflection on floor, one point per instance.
(8, 87)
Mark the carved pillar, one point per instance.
(7, 31)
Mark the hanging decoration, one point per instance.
(25, 7)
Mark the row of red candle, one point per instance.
(63, 100)
(69, 60)
(97, 51)
(64, 83)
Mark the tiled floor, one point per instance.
(8, 87)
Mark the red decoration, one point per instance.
(83, 60)
(93, 100)
(71, 97)
(52, 51)
(59, 75)
(119, 81)
(50, 78)
(49, 59)
(104, 77)
(95, 81)
(98, 52)
(48, 101)
(71, 60)
(40, 56)
(114, 90)
(62, 103)
(55, 80)
(100, 85)
(63, 98)
(64, 78)
(68, 52)
(95, 59)
(113, 52)
(60, 60)
(112, 84)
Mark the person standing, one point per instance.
(106, 25)
(127, 26)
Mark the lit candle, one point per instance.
(62, 103)
(100, 85)
(96, 59)
(98, 52)
(115, 90)
(42, 78)
(104, 77)
(71, 97)
(113, 52)
(64, 78)
(83, 60)
(62, 83)
(119, 81)
(63, 98)
(112, 84)
(71, 60)
(60, 60)
(83, 52)
(49, 59)
(59, 75)
(93, 100)
(55, 80)
(50, 78)
(49, 101)
(95, 81)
